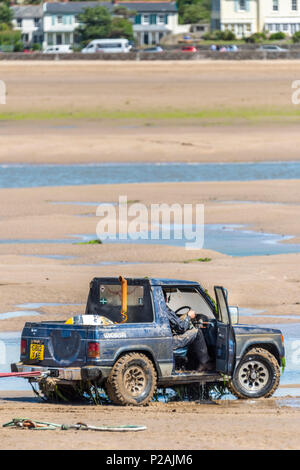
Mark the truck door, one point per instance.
(225, 347)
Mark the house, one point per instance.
(245, 17)
(153, 20)
(29, 20)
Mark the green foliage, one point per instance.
(220, 36)
(10, 40)
(90, 242)
(194, 11)
(296, 37)
(120, 10)
(97, 23)
(256, 38)
(6, 14)
(121, 27)
(279, 36)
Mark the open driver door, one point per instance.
(225, 347)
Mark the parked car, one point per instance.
(152, 49)
(272, 48)
(189, 49)
(109, 46)
(124, 343)
(62, 49)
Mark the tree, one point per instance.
(124, 12)
(200, 11)
(120, 27)
(194, 13)
(6, 15)
(95, 24)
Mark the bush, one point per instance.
(220, 36)
(256, 38)
(36, 46)
(11, 41)
(296, 37)
(279, 36)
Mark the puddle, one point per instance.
(10, 352)
(19, 313)
(233, 240)
(46, 304)
(247, 312)
(26, 175)
(59, 257)
(289, 402)
(79, 203)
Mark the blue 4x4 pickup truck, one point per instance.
(124, 343)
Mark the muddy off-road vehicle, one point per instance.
(123, 344)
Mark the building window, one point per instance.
(19, 22)
(275, 5)
(160, 19)
(59, 19)
(242, 5)
(146, 19)
(294, 5)
(36, 22)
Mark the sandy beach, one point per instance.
(67, 113)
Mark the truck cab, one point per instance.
(124, 343)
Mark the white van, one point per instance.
(62, 49)
(107, 45)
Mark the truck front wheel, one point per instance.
(132, 380)
(257, 375)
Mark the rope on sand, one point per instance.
(26, 423)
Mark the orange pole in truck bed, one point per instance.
(124, 299)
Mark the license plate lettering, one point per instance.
(37, 351)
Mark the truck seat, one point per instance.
(180, 352)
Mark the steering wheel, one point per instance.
(181, 308)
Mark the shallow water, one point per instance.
(227, 239)
(26, 175)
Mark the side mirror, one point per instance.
(234, 315)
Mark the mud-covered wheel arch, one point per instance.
(132, 381)
(257, 375)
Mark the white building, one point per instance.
(153, 20)
(28, 20)
(245, 17)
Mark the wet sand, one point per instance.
(253, 424)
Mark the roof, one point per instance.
(151, 280)
(27, 11)
(73, 7)
(77, 7)
(165, 7)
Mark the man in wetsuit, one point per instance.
(185, 334)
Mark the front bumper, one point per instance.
(69, 374)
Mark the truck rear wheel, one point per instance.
(132, 380)
(257, 375)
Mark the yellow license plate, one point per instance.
(37, 351)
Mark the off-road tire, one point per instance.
(265, 385)
(132, 381)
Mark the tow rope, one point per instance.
(26, 423)
(20, 374)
